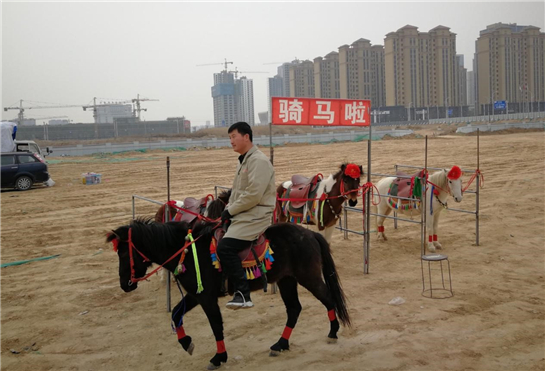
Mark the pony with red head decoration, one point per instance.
(318, 201)
(440, 185)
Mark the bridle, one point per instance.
(133, 279)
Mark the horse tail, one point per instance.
(332, 281)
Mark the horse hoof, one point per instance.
(431, 248)
(274, 353)
(190, 349)
(331, 341)
(211, 366)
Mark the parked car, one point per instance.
(20, 170)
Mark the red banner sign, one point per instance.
(320, 112)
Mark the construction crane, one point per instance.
(137, 101)
(215, 64)
(236, 72)
(21, 114)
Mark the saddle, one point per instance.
(301, 187)
(408, 188)
(194, 206)
(256, 259)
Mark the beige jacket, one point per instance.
(253, 197)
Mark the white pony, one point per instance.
(440, 185)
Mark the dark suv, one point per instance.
(22, 169)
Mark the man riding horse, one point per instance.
(249, 211)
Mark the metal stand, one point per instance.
(433, 288)
(167, 217)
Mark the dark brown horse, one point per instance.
(301, 256)
(325, 198)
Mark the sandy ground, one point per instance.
(69, 313)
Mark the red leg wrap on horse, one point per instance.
(287, 332)
(435, 237)
(331, 315)
(431, 238)
(180, 332)
(381, 228)
(221, 346)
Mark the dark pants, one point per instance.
(227, 251)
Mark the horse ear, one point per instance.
(361, 170)
(121, 233)
(343, 166)
(110, 236)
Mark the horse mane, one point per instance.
(328, 183)
(225, 195)
(439, 178)
(158, 235)
(142, 220)
(340, 171)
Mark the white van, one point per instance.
(32, 147)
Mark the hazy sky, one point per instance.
(69, 52)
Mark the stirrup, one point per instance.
(239, 301)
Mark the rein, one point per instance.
(437, 187)
(364, 188)
(477, 173)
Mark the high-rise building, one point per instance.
(244, 97)
(223, 94)
(276, 89)
(361, 70)
(420, 68)
(510, 63)
(378, 87)
(302, 79)
(461, 75)
(233, 99)
(471, 89)
(284, 74)
(326, 76)
(279, 85)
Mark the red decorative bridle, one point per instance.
(133, 278)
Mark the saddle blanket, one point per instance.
(252, 268)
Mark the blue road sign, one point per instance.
(499, 104)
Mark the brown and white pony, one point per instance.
(440, 185)
(326, 206)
